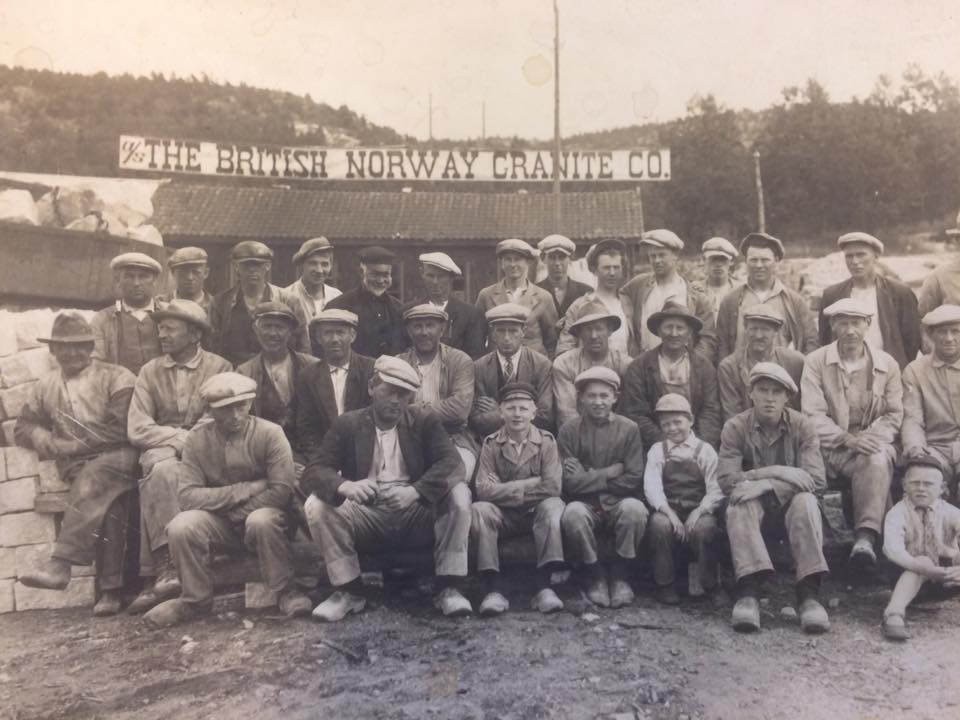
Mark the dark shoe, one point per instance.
(174, 612)
(667, 595)
(294, 603)
(895, 628)
(863, 554)
(813, 617)
(54, 574)
(746, 615)
(108, 604)
(150, 597)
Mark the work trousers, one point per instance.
(626, 521)
(264, 531)
(158, 503)
(868, 478)
(702, 543)
(491, 522)
(799, 518)
(346, 530)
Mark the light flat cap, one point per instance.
(507, 313)
(335, 315)
(764, 313)
(772, 371)
(673, 310)
(251, 250)
(942, 315)
(275, 309)
(598, 373)
(312, 247)
(186, 310)
(762, 240)
(860, 237)
(719, 247)
(612, 320)
(662, 238)
(848, 307)
(425, 310)
(517, 246)
(70, 327)
(187, 256)
(673, 403)
(228, 388)
(135, 259)
(397, 372)
(517, 391)
(556, 243)
(376, 255)
(610, 245)
(442, 261)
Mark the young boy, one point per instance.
(680, 483)
(920, 534)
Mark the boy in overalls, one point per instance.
(680, 484)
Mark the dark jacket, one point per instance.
(381, 330)
(466, 327)
(800, 321)
(234, 339)
(896, 312)
(532, 368)
(432, 461)
(575, 289)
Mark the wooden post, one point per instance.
(761, 212)
(557, 210)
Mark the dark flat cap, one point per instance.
(251, 250)
(377, 255)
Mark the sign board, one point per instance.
(190, 157)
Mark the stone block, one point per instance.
(26, 529)
(257, 596)
(13, 399)
(8, 426)
(6, 596)
(79, 593)
(25, 367)
(51, 503)
(21, 462)
(8, 563)
(8, 333)
(17, 495)
(50, 477)
(29, 557)
(32, 324)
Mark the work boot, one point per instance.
(452, 603)
(546, 601)
(667, 595)
(53, 574)
(294, 603)
(108, 604)
(168, 581)
(336, 607)
(746, 615)
(176, 611)
(863, 554)
(813, 617)
(494, 604)
(597, 590)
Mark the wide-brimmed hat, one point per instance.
(69, 327)
(186, 310)
(673, 310)
(612, 320)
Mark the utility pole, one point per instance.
(430, 116)
(557, 210)
(483, 119)
(761, 212)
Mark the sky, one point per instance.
(622, 62)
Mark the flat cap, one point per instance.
(922, 460)
(517, 246)
(662, 238)
(850, 307)
(276, 309)
(186, 310)
(612, 320)
(772, 371)
(762, 240)
(607, 245)
(442, 261)
(227, 388)
(860, 237)
(335, 315)
(556, 243)
(312, 247)
(717, 247)
(425, 310)
(942, 315)
(187, 256)
(764, 313)
(251, 250)
(70, 327)
(517, 391)
(135, 259)
(673, 403)
(376, 255)
(397, 372)
(673, 309)
(598, 373)
(507, 313)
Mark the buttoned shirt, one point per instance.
(140, 314)
(182, 378)
(620, 338)
(388, 466)
(706, 459)
(675, 290)
(312, 303)
(868, 297)
(338, 376)
(514, 361)
(903, 529)
(429, 391)
(675, 374)
(931, 402)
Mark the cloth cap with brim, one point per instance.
(516, 246)
(187, 256)
(507, 313)
(762, 240)
(598, 373)
(556, 243)
(612, 320)
(673, 403)
(397, 372)
(186, 310)
(517, 391)
(251, 250)
(719, 247)
(312, 247)
(862, 238)
(662, 238)
(763, 313)
(673, 310)
(425, 310)
(135, 259)
(442, 261)
(377, 255)
(923, 460)
(772, 371)
(228, 388)
(69, 327)
(275, 309)
(942, 315)
(610, 245)
(848, 307)
(337, 316)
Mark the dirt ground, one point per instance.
(399, 660)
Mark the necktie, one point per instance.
(508, 368)
(930, 545)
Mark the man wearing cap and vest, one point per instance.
(165, 405)
(593, 331)
(931, 385)
(509, 361)
(771, 471)
(446, 378)
(895, 327)
(231, 313)
(77, 416)
(466, 329)
(719, 256)
(519, 482)
(336, 384)
(761, 326)
(763, 254)
(125, 333)
(235, 490)
(380, 329)
(314, 263)
(672, 368)
(189, 268)
(513, 260)
(388, 476)
(852, 392)
(602, 456)
(276, 369)
(556, 251)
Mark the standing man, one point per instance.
(466, 329)
(166, 404)
(514, 258)
(719, 255)
(189, 268)
(380, 329)
(942, 286)
(314, 263)
(556, 251)
(125, 333)
(763, 254)
(895, 328)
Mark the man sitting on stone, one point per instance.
(853, 393)
(602, 456)
(166, 404)
(771, 471)
(77, 415)
(388, 476)
(236, 489)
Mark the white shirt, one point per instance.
(619, 339)
(429, 373)
(675, 290)
(515, 359)
(338, 376)
(388, 467)
(868, 297)
(653, 472)
(139, 313)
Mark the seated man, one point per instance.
(853, 394)
(920, 536)
(680, 482)
(672, 368)
(166, 404)
(518, 491)
(761, 325)
(509, 361)
(602, 458)
(77, 415)
(770, 469)
(592, 330)
(388, 476)
(235, 489)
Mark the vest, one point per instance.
(137, 342)
(683, 481)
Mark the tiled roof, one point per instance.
(232, 212)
